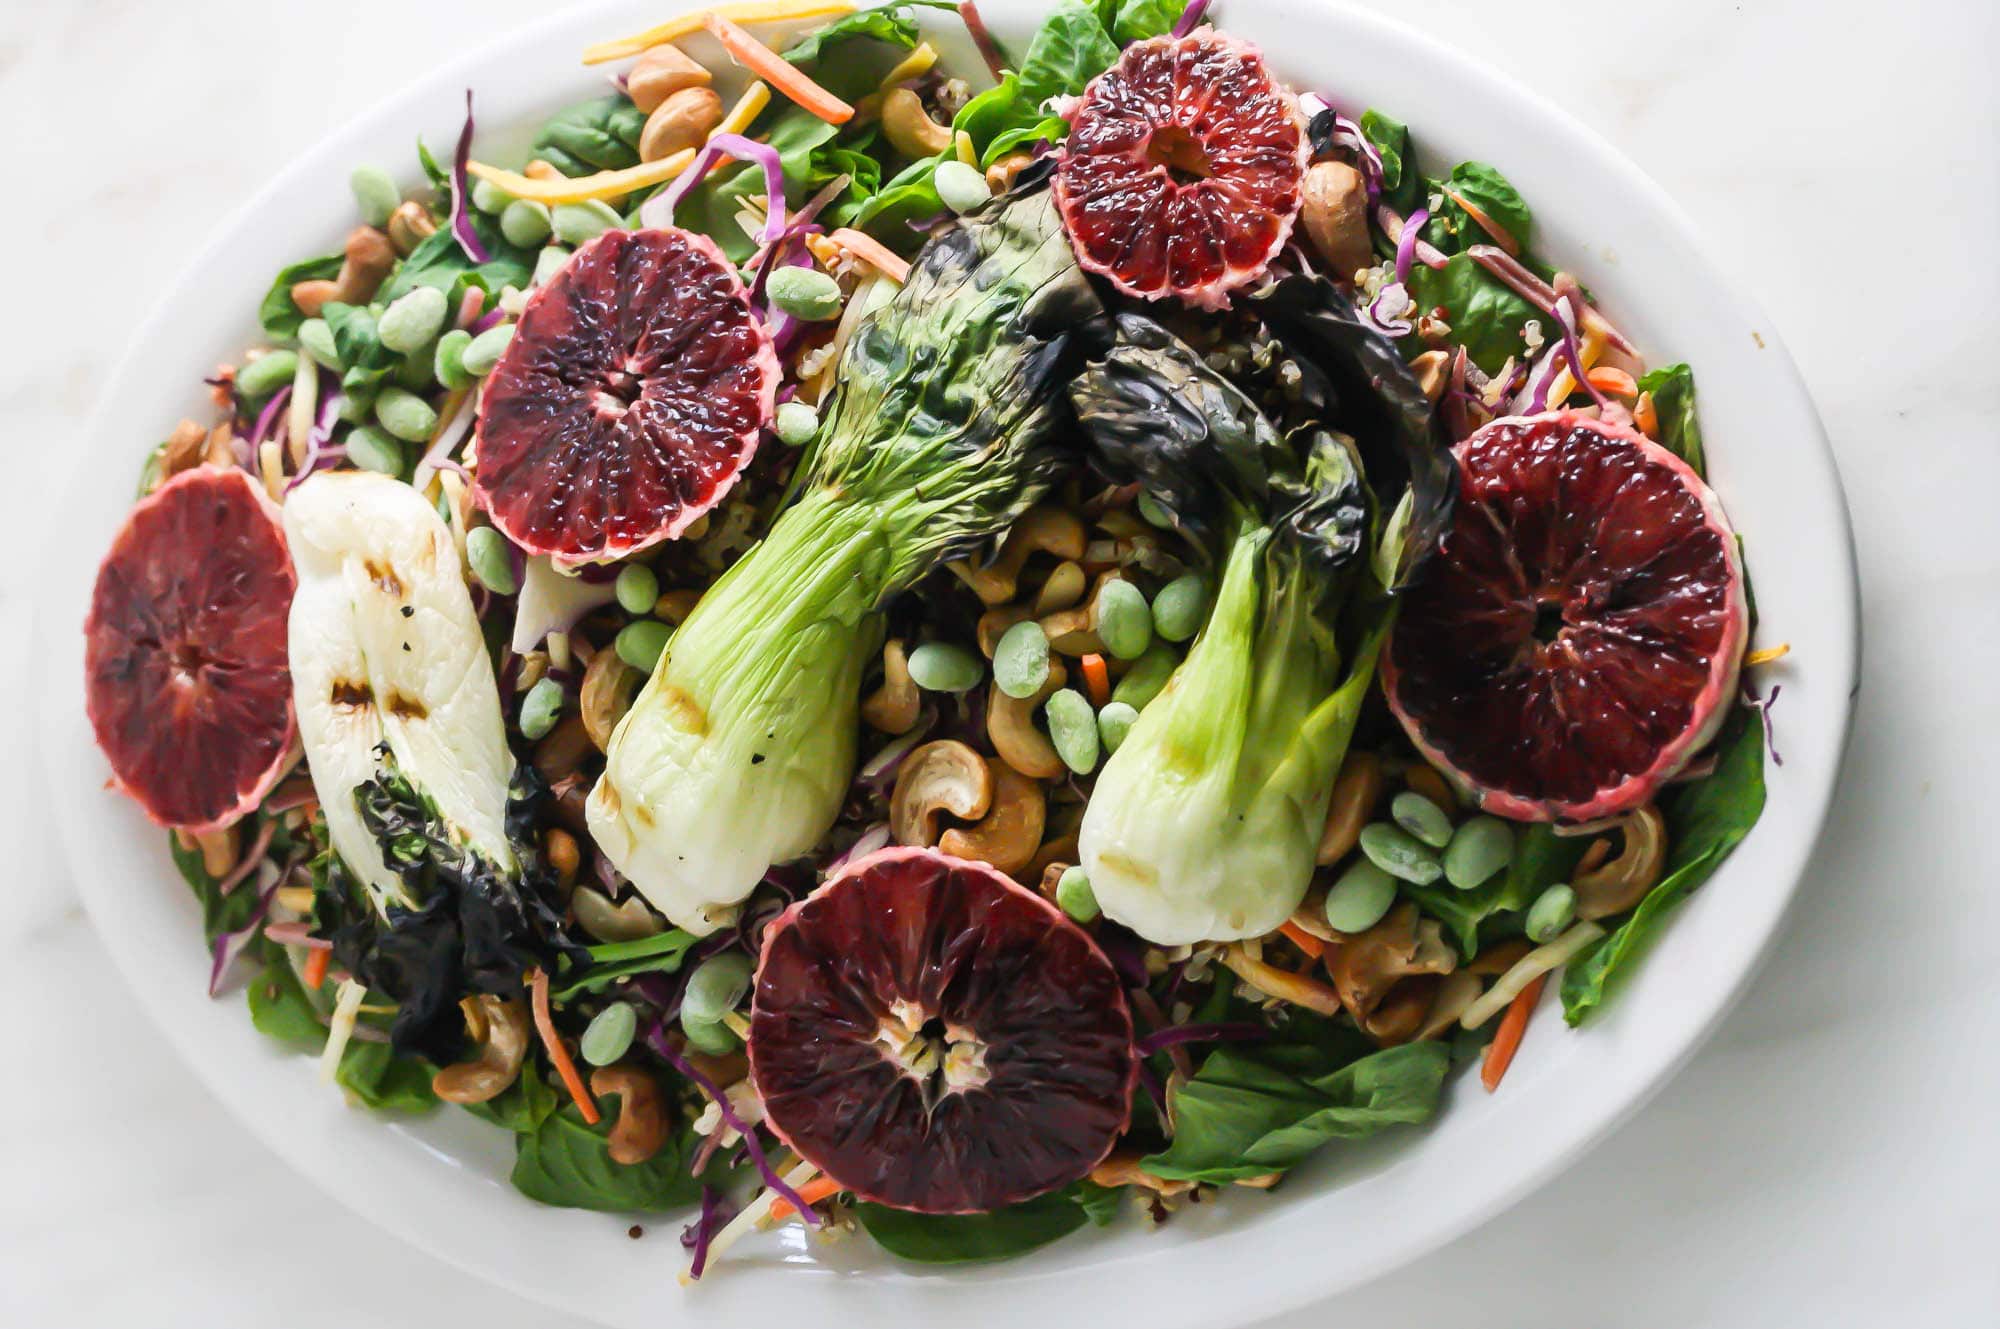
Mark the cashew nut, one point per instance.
(909, 128)
(183, 449)
(221, 445)
(1063, 587)
(1010, 726)
(1000, 175)
(606, 921)
(1011, 831)
(894, 707)
(608, 685)
(564, 857)
(1356, 791)
(1423, 778)
(410, 225)
(503, 1044)
(681, 121)
(218, 850)
(1047, 530)
(945, 776)
(661, 71)
(1335, 215)
(1624, 881)
(1431, 369)
(1074, 631)
(563, 750)
(1388, 976)
(641, 1128)
(368, 257)
(675, 606)
(1458, 991)
(1057, 852)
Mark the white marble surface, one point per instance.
(1828, 1159)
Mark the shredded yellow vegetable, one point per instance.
(754, 11)
(748, 107)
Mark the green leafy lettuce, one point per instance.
(566, 1163)
(999, 1235)
(1672, 387)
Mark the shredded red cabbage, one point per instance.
(716, 1211)
(1347, 133)
(252, 856)
(1190, 17)
(296, 933)
(656, 1039)
(659, 209)
(231, 944)
(461, 195)
(261, 430)
(1406, 244)
(319, 453)
(875, 837)
(989, 50)
(1763, 705)
(1516, 277)
(1426, 253)
(1174, 1035)
(1388, 325)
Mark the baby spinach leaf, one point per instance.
(662, 952)
(1485, 316)
(1099, 1203)
(1136, 20)
(219, 913)
(1705, 821)
(1256, 1110)
(1401, 187)
(440, 261)
(598, 135)
(1672, 387)
(565, 1163)
(1451, 227)
(1069, 49)
(280, 1006)
(893, 25)
(384, 1080)
(280, 317)
(522, 1106)
(963, 1238)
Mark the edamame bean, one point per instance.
(1359, 898)
(1021, 660)
(640, 644)
(486, 552)
(805, 293)
(485, 350)
(1073, 729)
(796, 424)
(1152, 513)
(1124, 619)
(1074, 896)
(448, 360)
(525, 223)
(316, 340)
(1144, 680)
(405, 414)
(1479, 848)
(375, 193)
(716, 986)
(1551, 912)
(261, 377)
(1421, 818)
(637, 588)
(939, 666)
(547, 264)
(575, 223)
(1399, 853)
(409, 324)
(717, 1040)
(1180, 607)
(489, 197)
(540, 708)
(609, 1034)
(960, 187)
(1114, 722)
(373, 450)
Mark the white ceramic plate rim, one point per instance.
(440, 1184)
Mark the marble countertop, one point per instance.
(1829, 1158)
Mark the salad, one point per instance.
(953, 653)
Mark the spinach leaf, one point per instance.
(280, 317)
(439, 260)
(434, 170)
(1069, 49)
(1136, 20)
(1705, 821)
(1672, 387)
(385, 1080)
(597, 135)
(364, 360)
(892, 25)
(1099, 1203)
(1485, 316)
(523, 1106)
(219, 913)
(1541, 859)
(1401, 187)
(1451, 228)
(565, 1163)
(662, 952)
(1252, 1111)
(962, 1238)
(280, 1006)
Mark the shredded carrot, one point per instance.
(779, 72)
(1611, 379)
(315, 971)
(1507, 1039)
(1769, 655)
(1501, 235)
(1097, 678)
(755, 11)
(545, 1025)
(872, 252)
(1302, 939)
(819, 1188)
(1646, 416)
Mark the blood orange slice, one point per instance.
(1578, 635)
(632, 395)
(933, 1037)
(1182, 171)
(185, 677)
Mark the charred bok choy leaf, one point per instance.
(940, 432)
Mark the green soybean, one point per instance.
(540, 708)
(1152, 513)
(1073, 729)
(261, 377)
(409, 324)
(373, 450)
(940, 666)
(1074, 896)
(1144, 680)
(716, 986)
(1359, 898)
(485, 350)
(805, 293)
(489, 197)
(1399, 853)
(960, 187)
(405, 414)
(375, 193)
(575, 223)
(1021, 660)
(609, 1034)
(1421, 818)
(525, 223)
(1114, 722)
(640, 644)
(637, 588)
(1180, 607)
(316, 340)
(486, 551)
(448, 360)
(1124, 619)
(796, 424)
(714, 1038)
(547, 264)
(1552, 911)
(1480, 847)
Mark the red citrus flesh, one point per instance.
(935, 1038)
(633, 393)
(185, 674)
(1182, 171)
(1578, 635)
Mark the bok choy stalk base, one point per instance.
(941, 431)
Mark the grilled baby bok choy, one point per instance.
(941, 430)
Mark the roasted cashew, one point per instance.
(608, 685)
(606, 921)
(1010, 725)
(503, 1044)
(938, 778)
(675, 606)
(1000, 175)
(1423, 778)
(641, 1128)
(410, 225)
(1057, 852)
(1624, 881)
(1335, 217)
(909, 128)
(564, 857)
(183, 449)
(681, 121)
(368, 257)
(894, 707)
(1048, 530)
(1061, 589)
(1458, 990)
(1356, 791)
(1387, 977)
(993, 625)
(1431, 369)
(562, 751)
(661, 71)
(1011, 831)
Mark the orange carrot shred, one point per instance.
(315, 971)
(777, 71)
(1646, 416)
(1302, 939)
(545, 1025)
(872, 252)
(819, 1188)
(1611, 379)
(1097, 678)
(1507, 1039)
(1501, 235)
